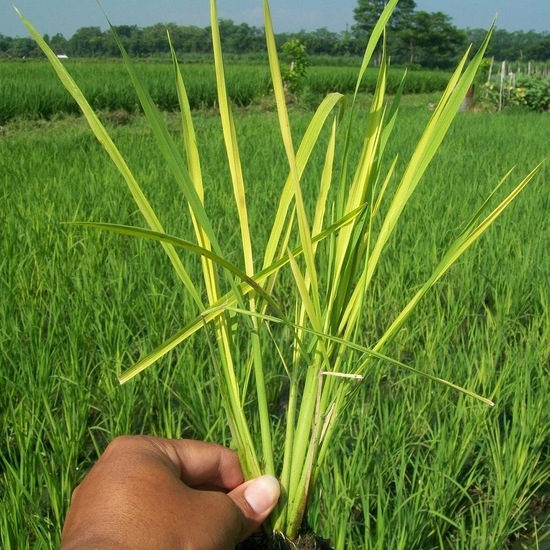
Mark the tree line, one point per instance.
(427, 39)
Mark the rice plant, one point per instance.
(302, 299)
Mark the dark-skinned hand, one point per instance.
(147, 492)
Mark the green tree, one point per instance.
(154, 41)
(432, 40)
(320, 42)
(194, 40)
(248, 39)
(129, 35)
(5, 46)
(540, 50)
(367, 13)
(23, 48)
(87, 42)
(58, 43)
(240, 38)
(512, 46)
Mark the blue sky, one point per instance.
(65, 16)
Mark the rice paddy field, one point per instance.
(416, 465)
(31, 88)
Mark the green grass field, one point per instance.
(31, 89)
(417, 466)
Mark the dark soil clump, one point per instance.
(306, 541)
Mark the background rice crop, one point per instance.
(323, 80)
(30, 89)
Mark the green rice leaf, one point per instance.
(233, 156)
(307, 144)
(169, 149)
(231, 144)
(195, 173)
(427, 147)
(217, 309)
(284, 123)
(468, 237)
(177, 242)
(103, 137)
(374, 39)
(371, 353)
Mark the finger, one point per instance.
(255, 499)
(199, 464)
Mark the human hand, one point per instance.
(148, 492)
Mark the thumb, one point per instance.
(256, 499)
